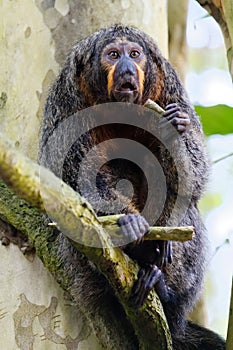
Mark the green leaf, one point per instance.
(216, 119)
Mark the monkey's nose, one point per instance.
(125, 67)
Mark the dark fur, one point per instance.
(83, 83)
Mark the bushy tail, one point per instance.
(198, 338)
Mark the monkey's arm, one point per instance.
(195, 148)
(159, 255)
(190, 154)
(192, 135)
(186, 122)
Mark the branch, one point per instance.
(222, 12)
(180, 234)
(223, 158)
(154, 106)
(48, 244)
(75, 217)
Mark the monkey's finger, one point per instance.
(142, 287)
(143, 225)
(169, 252)
(134, 228)
(125, 224)
(171, 106)
(165, 256)
(139, 299)
(178, 121)
(168, 113)
(177, 114)
(137, 285)
(166, 252)
(130, 232)
(138, 295)
(139, 226)
(153, 276)
(181, 128)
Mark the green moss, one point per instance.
(31, 222)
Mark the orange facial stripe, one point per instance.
(110, 78)
(141, 78)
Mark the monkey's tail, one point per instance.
(198, 338)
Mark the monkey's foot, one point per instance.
(176, 117)
(134, 226)
(147, 278)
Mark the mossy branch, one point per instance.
(75, 217)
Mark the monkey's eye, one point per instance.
(113, 54)
(134, 54)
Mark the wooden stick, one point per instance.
(154, 106)
(180, 234)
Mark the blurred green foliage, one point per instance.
(216, 119)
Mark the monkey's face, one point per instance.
(124, 63)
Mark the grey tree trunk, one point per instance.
(35, 39)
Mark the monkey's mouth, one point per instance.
(127, 88)
(126, 92)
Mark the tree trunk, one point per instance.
(33, 47)
(222, 12)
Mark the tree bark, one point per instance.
(222, 11)
(26, 74)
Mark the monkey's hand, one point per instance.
(148, 278)
(176, 117)
(134, 227)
